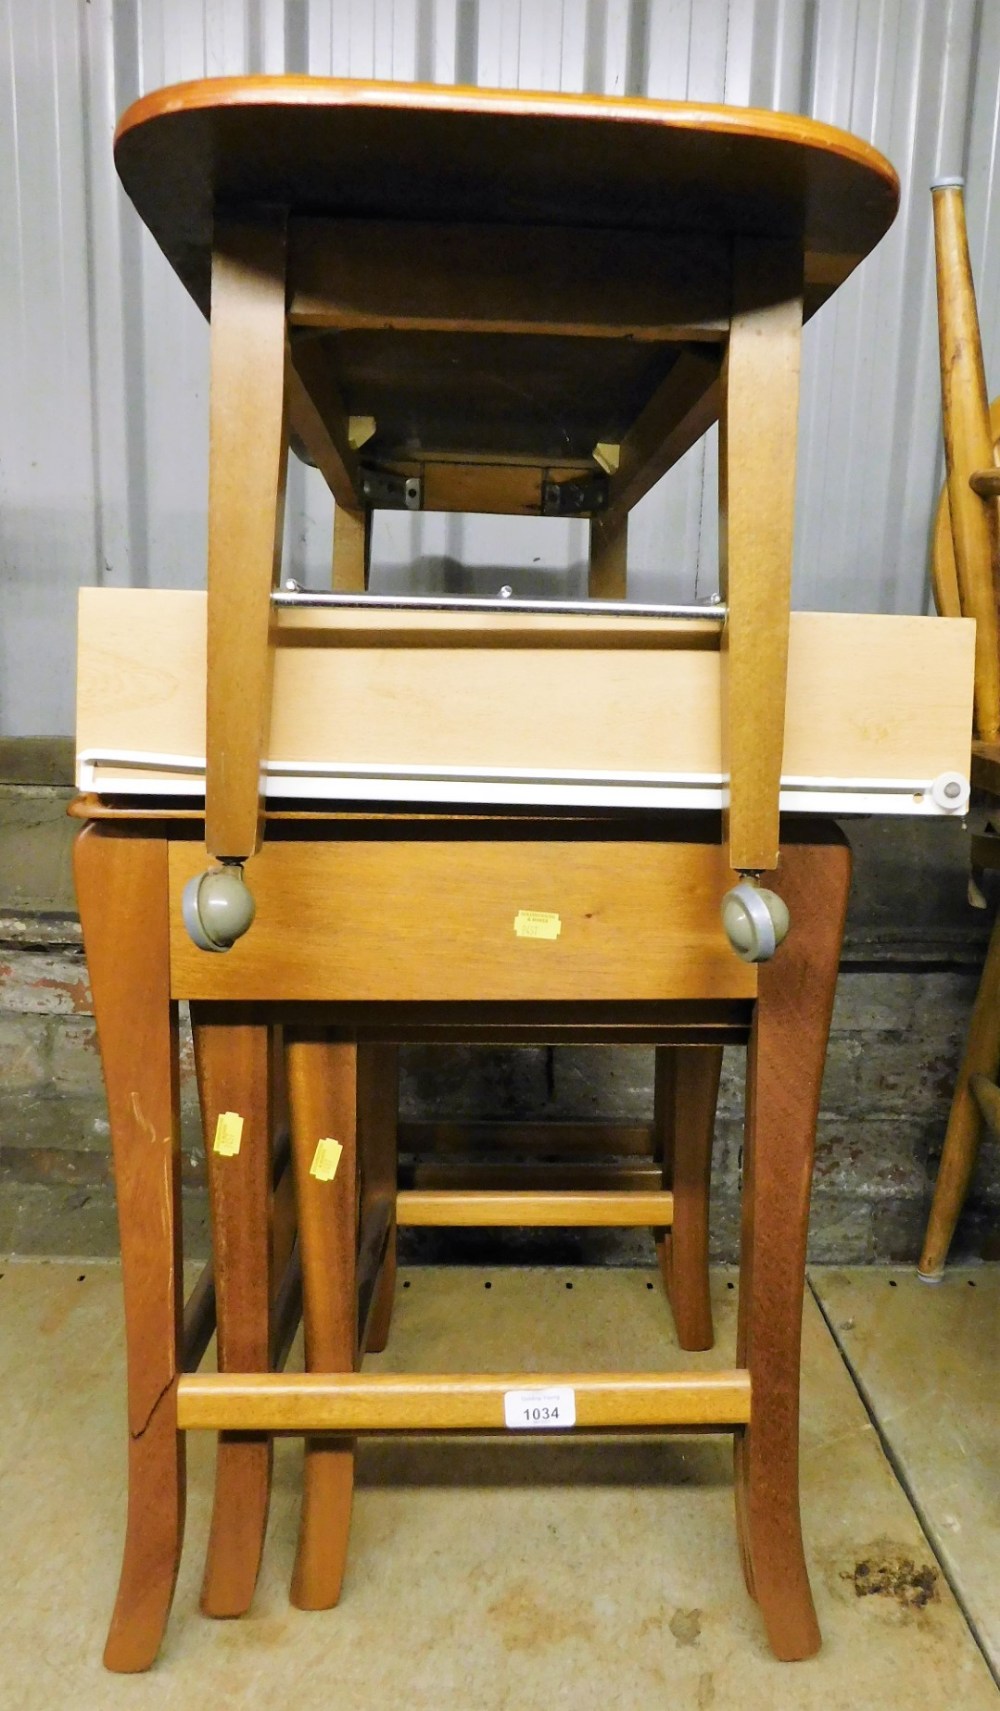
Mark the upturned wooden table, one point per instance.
(468, 300)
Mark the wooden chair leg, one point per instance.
(785, 1070)
(323, 1102)
(121, 885)
(685, 1098)
(968, 444)
(233, 1058)
(961, 1142)
(378, 1116)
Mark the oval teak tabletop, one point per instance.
(438, 153)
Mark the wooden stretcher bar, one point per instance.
(533, 1208)
(391, 1402)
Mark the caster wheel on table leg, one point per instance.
(217, 907)
(756, 921)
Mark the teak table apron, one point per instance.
(460, 300)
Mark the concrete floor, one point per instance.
(927, 1363)
(505, 1576)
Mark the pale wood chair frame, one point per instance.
(966, 577)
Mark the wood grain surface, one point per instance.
(410, 922)
(757, 440)
(534, 1208)
(234, 1063)
(390, 151)
(323, 1086)
(378, 1126)
(868, 696)
(247, 462)
(968, 441)
(685, 1096)
(785, 1064)
(391, 1402)
(120, 887)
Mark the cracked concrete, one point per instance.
(498, 1575)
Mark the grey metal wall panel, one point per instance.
(47, 512)
(103, 359)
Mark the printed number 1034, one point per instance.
(537, 1409)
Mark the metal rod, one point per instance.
(303, 597)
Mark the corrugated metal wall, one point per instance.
(103, 359)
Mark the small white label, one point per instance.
(539, 1410)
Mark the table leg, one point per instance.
(685, 1098)
(786, 1056)
(323, 1104)
(757, 430)
(121, 885)
(352, 549)
(247, 462)
(234, 1060)
(284, 1217)
(608, 569)
(378, 1115)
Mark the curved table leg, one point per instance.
(785, 1071)
(233, 1058)
(121, 885)
(685, 1098)
(323, 1108)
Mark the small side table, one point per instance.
(401, 929)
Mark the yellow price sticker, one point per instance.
(326, 1159)
(228, 1134)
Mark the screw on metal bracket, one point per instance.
(574, 498)
(392, 492)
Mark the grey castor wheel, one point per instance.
(217, 907)
(756, 921)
